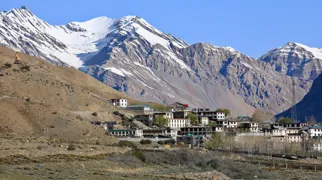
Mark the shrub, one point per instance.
(212, 163)
(94, 114)
(7, 65)
(71, 147)
(116, 113)
(127, 144)
(181, 143)
(139, 154)
(145, 141)
(98, 143)
(25, 68)
(170, 141)
(161, 142)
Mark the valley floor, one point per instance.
(50, 159)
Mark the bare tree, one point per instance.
(260, 115)
(310, 120)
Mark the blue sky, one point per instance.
(250, 26)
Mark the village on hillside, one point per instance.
(200, 127)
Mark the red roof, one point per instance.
(187, 105)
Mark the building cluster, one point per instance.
(180, 127)
(293, 133)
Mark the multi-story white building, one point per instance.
(290, 138)
(232, 124)
(315, 131)
(178, 123)
(119, 102)
(253, 127)
(282, 131)
(227, 123)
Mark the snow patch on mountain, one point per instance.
(115, 70)
(152, 38)
(315, 51)
(247, 65)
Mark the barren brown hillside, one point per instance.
(47, 97)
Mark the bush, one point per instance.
(71, 147)
(170, 141)
(139, 154)
(212, 163)
(116, 113)
(25, 68)
(145, 141)
(7, 65)
(98, 143)
(161, 142)
(94, 114)
(127, 144)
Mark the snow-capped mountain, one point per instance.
(295, 59)
(132, 56)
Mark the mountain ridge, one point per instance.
(132, 56)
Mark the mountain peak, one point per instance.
(294, 46)
(99, 24)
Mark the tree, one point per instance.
(145, 141)
(311, 120)
(284, 120)
(213, 123)
(160, 121)
(226, 111)
(217, 141)
(260, 116)
(193, 118)
(160, 107)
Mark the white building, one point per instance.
(127, 132)
(173, 133)
(168, 115)
(219, 129)
(282, 131)
(222, 123)
(293, 138)
(220, 115)
(315, 131)
(253, 127)
(204, 121)
(289, 138)
(317, 146)
(119, 102)
(178, 123)
(232, 124)
(227, 123)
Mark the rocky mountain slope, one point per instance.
(134, 57)
(56, 98)
(310, 105)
